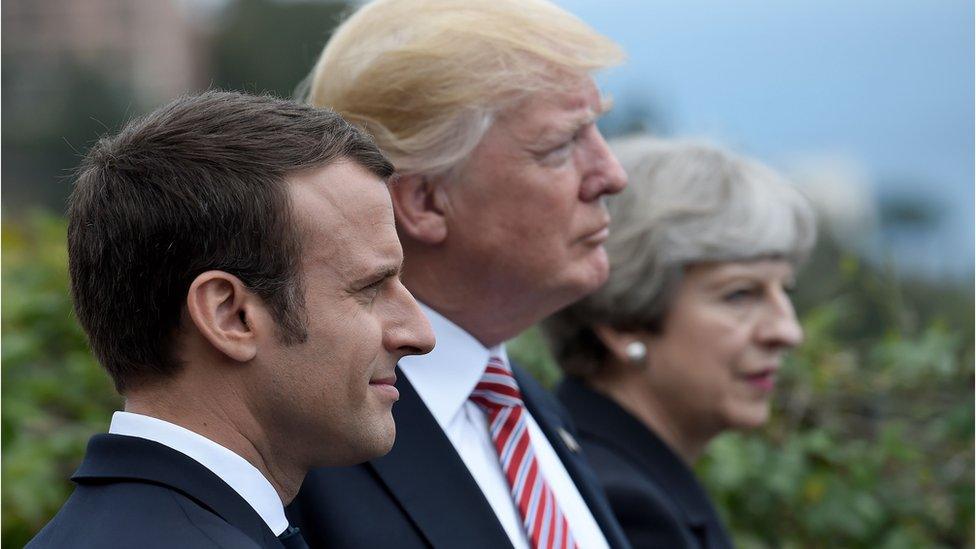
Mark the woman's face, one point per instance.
(714, 365)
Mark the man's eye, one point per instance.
(562, 150)
(370, 291)
(375, 286)
(558, 154)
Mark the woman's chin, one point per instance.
(751, 416)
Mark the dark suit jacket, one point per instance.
(136, 493)
(422, 495)
(655, 495)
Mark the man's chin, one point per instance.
(593, 272)
(383, 446)
(578, 287)
(374, 439)
(601, 263)
(383, 439)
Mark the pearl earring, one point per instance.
(636, 352)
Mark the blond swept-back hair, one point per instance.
(426, 77)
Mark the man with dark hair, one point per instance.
(235, 264)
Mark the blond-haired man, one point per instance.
(487, 109)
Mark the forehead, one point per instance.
(719, 272)
(546, 112)
(344, 214)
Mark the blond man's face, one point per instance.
(526, 206)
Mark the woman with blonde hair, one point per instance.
(686, 338)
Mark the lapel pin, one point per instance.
(568, 440)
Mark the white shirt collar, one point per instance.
(236, 471)
(445, 377)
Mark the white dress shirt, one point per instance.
(236, 471)
(444, 379)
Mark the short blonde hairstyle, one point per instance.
(427, 77)
(686, 203)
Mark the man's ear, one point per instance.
(420, 205)
(224, 312)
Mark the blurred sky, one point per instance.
(883, 87)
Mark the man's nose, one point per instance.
(410, 333)
(604, 175)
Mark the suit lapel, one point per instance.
(427, 477)
(131, 459)
(543, 408)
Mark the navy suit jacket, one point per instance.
(422, 495)
(654, 494)
(136, 493)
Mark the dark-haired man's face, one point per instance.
(334, 393)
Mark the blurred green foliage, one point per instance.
(871, 441)
(54, 396)
(870, 444)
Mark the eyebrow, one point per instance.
(573, 126)
(737, 277)
(380, 273)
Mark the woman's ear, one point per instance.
(626, 347)
(420, 205)
(224, 313)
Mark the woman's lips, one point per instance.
(765, 380)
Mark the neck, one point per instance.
(491, 314)
(228, 423)
(627, 386)
(488, 325)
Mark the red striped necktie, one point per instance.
(498, 395)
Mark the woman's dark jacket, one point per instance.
(656, 497)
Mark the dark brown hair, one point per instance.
(196, 185)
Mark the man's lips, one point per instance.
(597, 236)
(385, 386)
(388, 380)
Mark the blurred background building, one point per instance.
(75, 69)
(152, 49)
(868, 105)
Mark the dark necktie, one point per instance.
(292, 539)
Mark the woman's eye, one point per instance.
(739, 295)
